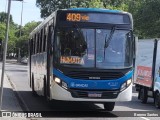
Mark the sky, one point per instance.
(30, 11)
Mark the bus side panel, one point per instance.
(39, 71)
(157, 70)
(33, 70)
(29, 62)
(144, 63)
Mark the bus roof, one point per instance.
(76, 9)
(95, 10)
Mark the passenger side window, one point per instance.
(38, 42)
(34, 46)
(40, 45)
(44, 39)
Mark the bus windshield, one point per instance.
(81, 47)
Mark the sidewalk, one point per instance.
(14, 61)
(9, 101)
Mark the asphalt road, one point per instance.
(19, 79)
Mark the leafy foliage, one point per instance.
(145, 12)
(3, 17)
(147, 20)
(48, 6)
(15, 40)
(12, 37)
(96, 4)
(22, 41)
(2, 31)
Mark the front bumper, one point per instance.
(59, 93)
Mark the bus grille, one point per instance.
(105, 94)
(88, 75)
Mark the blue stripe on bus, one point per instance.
(95, 10)
(93, 84)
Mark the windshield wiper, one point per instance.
(107, 41)
(81, 35)
(87, 43)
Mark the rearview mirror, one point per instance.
(135, 43)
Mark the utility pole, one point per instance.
(20, 33)
(19, 55)
(4, 52)
(1, 44)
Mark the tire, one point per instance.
(45, 90)
(109, 106)
(157, 100)
(143, 95)
(33, 90)
(46, 94)
(45, 87)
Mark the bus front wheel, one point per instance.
(109, 106)
(33, 90)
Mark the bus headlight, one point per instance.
(61, 83)
(57, 80)
(129, 82)
(126, 84)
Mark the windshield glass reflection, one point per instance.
(86, 48)
(118, 52)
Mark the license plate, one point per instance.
(94, 95)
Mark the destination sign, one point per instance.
(77, 17)
(71, 60)
(94, 17)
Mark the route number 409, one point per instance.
(73, 17)
(77, 17)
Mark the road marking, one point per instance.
(144, 118)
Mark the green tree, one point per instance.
(13, 27)
(96, 4)
(22, 42)
(48, 6)
(79, 3)
(2, 31)
(146, 19)
(3, 18)
(145, 12)
(116, 4)
(12, 38)
(15, 41)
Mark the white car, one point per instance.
(24, 60)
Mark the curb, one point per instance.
(18, 96)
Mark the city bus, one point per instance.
(83, 54)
